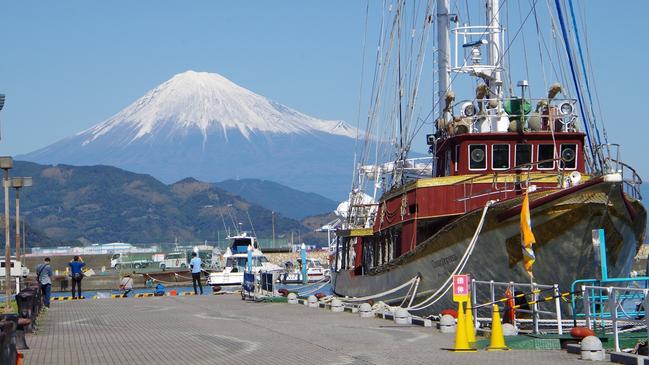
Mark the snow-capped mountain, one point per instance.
(202, 125)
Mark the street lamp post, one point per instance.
(17, 183)
(6, 163)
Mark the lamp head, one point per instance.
(6, 162)
(17, 182)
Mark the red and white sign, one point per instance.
(461, 288)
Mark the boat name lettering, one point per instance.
(444, 261)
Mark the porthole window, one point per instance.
(523, 154)
(569, 156)
(500, 157)
(546, 154)
(477, 157)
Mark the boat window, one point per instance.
(569, 156)
(500, 157)
(478, 160)
(546, 152)
(523, 156)
(447, 163)
(116, 256)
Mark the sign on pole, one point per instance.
(460, 288)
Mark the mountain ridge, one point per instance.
(81, 205)
(289, 202)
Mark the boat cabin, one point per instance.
(490, 153)
(240, 243)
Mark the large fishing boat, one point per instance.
(410, 224)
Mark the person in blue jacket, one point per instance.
(75, 272)
(195, 264)
(159, 290)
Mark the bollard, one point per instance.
(447, 324)
(401, 316)
(591, 349)
(509, 329)
(365, 311)
(313, 301)
(292, 298)
(337, 306)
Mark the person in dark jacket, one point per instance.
(44, 277)
(75, 272)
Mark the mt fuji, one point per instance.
(202, 125)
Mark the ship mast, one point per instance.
(495, 49)
(443, 54)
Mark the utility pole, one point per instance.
(272, 214)
(6, 163)
(18, 183)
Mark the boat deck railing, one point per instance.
(612, 163)
(614, 309)
(550, 310)
(503, 183)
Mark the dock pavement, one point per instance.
(224, 329)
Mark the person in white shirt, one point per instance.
(126, 285)
(195, 264)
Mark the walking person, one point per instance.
(75, 269)
(195, 264)
(44, 277)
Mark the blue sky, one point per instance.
(66, 66)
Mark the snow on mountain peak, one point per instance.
(209, 101)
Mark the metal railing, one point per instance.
(612, 314)
(551, 310)
(631, 282)
(517, 183)
(612, 163)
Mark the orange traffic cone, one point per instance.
(470, 328)
(461, 340)
(497, 342)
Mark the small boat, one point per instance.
(236, 261)
(293, 275)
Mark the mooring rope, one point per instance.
(435, 297)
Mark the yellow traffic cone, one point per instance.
(461, 340)
(470, 328)
(497, 342)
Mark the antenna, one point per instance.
(236, 226)
(225, 227)
(251, 226)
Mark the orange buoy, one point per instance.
(320, 295)
(173, 293)
(451, 312)
(283, 292)
(581, 332)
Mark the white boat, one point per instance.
(314, 270)
(236, 261)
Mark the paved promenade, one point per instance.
(225, 330)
